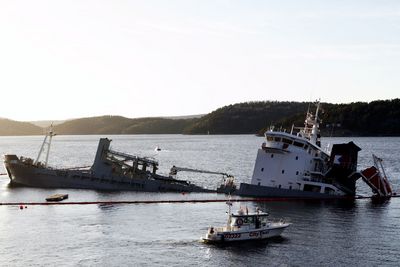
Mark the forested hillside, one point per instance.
(377, 118)
(245, 118)
(122, 125)
(9, 127)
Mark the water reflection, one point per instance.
(106, 207)
(250, 245)
(323, 233)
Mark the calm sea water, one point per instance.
(334, 233)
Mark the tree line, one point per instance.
(376, 118)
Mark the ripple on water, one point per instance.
(331, 233)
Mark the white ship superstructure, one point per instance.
(294, 161)
(293, 164)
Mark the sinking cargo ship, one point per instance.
(293, 165)
(111, 170)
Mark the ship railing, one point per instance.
(124, 166)
(309, 179)
(132, 157)
(317, 180)
(83, 168)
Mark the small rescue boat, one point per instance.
(245, 226)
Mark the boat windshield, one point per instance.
(249, 219)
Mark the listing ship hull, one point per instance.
(111, 171)
(259, 191)
(293, 165)
(52, 178)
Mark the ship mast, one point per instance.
(315, 127)
(311, 126)
(46, 145)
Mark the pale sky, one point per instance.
(80, 58)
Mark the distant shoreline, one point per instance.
(360, 119)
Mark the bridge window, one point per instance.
(277, 139)
(287, 141)
(298, 144)
(270, 138)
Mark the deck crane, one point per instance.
(376, 178)
(227, 186)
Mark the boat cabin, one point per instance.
(248, 221)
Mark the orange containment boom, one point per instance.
(375, 177)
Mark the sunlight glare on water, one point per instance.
(334, 233)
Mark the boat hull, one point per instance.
(33, 176)
(250, 190)
(257, 234)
